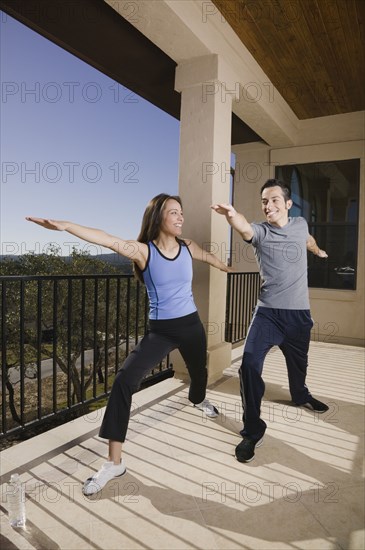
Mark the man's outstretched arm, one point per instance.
(236, 220)
(313, 247)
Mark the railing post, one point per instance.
(242, 295)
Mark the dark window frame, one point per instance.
(324, 232)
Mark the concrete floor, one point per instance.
(184, 488)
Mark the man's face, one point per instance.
(274, 206)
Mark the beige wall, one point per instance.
(338, 314)
(178, 29)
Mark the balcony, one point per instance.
(183, 487)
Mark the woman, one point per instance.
(163, 261)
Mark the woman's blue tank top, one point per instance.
(168, 282)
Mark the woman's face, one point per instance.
(172, 218)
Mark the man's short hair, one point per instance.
(278, 183)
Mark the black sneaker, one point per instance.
(315, 405)
(245, 451)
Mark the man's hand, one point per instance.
(322, 253)
(236, 220)
(226, 209)
(313, 247)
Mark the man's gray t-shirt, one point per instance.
(281, 253)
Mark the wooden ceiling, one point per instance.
(311, 50)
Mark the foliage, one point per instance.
(58, 317)
(78, 263)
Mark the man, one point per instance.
(282, 315)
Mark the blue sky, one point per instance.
(75, 145)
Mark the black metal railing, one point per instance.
(63, 338)
(242, 293)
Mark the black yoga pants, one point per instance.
(290, 331)
(183, 333)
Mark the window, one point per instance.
(326, 194)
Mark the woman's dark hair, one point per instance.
(151, 222)
(278, 183)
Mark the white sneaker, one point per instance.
(108, 471)
(209, 409)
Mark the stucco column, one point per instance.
(252, 169)
(204, 179)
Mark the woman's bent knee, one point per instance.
(126, 381)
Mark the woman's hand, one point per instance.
(54, 225)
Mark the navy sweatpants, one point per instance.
(290, 330)
(183, 333)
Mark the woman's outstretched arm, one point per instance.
(207, 257)
(130, 249)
